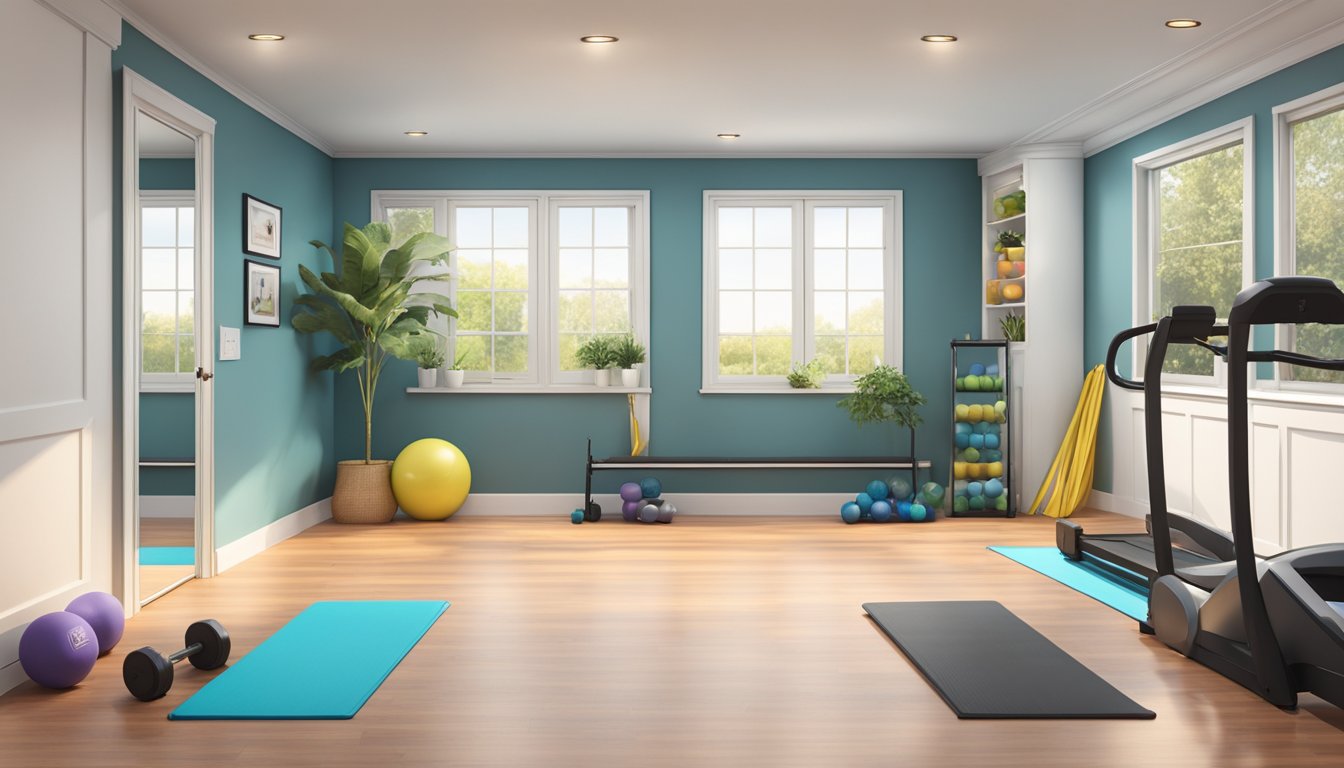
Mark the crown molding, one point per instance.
(1017, 154)
(658, 155)
(1318, 41)
(249, 98)
(1312, 27)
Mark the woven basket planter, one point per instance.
(363, 493)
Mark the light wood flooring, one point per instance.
(708, 642)
(165, 532)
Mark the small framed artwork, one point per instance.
(261, 288)
(261, 227)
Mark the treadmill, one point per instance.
(1201, 554)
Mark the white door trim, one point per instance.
(140, 95)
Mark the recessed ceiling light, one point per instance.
(729, 136)
(598, 39)
(939, 38)
(267, 38)
(1183, 23)
(416, 134)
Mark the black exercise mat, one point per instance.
(987, 663)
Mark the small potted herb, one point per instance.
(595, 353)
(430, 358)
(807, 375)
(626, 353)
(454, 374)
(1014, 327)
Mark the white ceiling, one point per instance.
(504, 77)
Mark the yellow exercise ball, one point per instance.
(431, 479)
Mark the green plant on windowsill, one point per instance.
(1014, 327)
(595, 353)
(807, 375)
(457, 364)
(626, 353)
(430, 356)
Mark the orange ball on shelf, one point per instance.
(1012, 292)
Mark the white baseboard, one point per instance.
(168, 506)
(1109, 502)
(11, 675)
(262, 539)
(758, 504)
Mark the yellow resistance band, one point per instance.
(636, 442)
(1070, 473)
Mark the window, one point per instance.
(167, 291)
(535, 275)
(1309, 136)
(1193, 232)
(795, 276)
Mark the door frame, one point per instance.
(141, 95)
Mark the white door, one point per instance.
(56, 429)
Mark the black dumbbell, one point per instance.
(149, 674)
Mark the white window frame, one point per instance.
(183, 381)
(1312, 105)
(804, 340)
(544, 374)
(1146, 200)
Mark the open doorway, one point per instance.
(166, 407)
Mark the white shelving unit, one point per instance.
(1047, 368)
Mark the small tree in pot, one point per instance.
(369, 308)
(886, 395)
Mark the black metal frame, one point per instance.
(1005, 441)
(743, 462)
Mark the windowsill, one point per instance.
(775, 391)
(183, 388)
(528, 389)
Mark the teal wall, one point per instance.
(167, 430)
(274, 446)
(167, 419)
(1108, 204)
(535, 443)
(167, 173)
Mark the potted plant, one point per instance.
(454, 375)
(595, 353)
(1014, 327)
(1010, 246)
(886, 395)
(807, 375)
(367, 305)
(626, 353)
(430, 358)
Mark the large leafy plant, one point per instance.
(369, 307)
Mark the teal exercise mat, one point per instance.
(1088, 579)
(323, 665)
(167, 555)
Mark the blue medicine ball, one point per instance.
(992, 369)
(976, 441)
(881, 512)
(976, 369)
(849, 512)
(991, 441)
(974, 489)
(865, 502)
(993, 488)
(963, 428)
(878, 490)
(963, 440)
(650, 488)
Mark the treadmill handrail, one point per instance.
(1113, 352)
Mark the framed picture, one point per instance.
(261, 227)
(261, 293)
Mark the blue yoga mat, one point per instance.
(167, 555)
(323, 665)
(1090, 580)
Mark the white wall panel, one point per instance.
(42, 518)
(41, 153)
(1266, 483)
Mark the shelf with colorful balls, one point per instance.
(981, 460)
(1006, 265)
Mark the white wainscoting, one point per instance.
(1297, 463)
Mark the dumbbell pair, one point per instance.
(148, 674)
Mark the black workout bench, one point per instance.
(741, 462)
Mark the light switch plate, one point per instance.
(230, 343)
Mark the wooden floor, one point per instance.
(708, 642)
